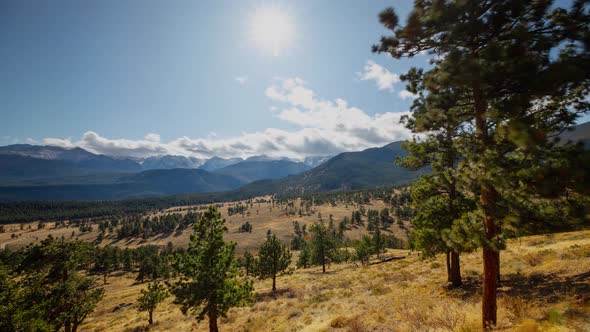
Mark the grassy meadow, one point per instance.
(545, 287)
(262, 216)
(545, 283)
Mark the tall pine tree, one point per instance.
(437, 199)
(519, 70)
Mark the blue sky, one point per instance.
(188, 77)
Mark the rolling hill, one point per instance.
(151, 183)
(346, 171)
(249, 171)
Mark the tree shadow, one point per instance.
(470, 288)
(550, 287)
(547, 286)
(279, 293)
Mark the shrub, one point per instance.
(355, 325)
(339, 322)
(533, 259)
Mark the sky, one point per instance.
(200, 78)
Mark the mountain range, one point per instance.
(29, 172)
(72, 180)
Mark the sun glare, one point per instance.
(271, 30)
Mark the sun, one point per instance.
(271, 29)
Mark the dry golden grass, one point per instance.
(403, 295)
(263, 216)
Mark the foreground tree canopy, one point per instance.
(513, 75)
(47, 291)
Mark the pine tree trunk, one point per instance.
(67, 327)
(151, 320)
(75, 327)
(453, 264)
(213, 323)
(104, 278)
(491, 262)
(487, 199)
(274, 283)
(455, 274)
(498, 258)
(449, 279)
(323, 261)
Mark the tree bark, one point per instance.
(213, 322)
(274, 283)
(455, 274)
(487, 200)
(498, 258)
(454, 265)
(150, 319)
(491, 262)
(449, 266)
(67, 327)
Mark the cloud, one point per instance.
(152, 137)
(382, 77)
(322, 127)
(404, 94)
(241, 80)
(63, 142)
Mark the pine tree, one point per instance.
(247, 262)
(274, 258)
(304, 255)
(106, 260)
(210, 282)
(363, 249)
(436, 197)
(150, 298)
(517, 71)
(378, 243)
(323, 245)
(55, 294)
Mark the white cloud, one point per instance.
(63, 142)
(152, 137)
(404, 94)
(241, 80)
(323, 127)
(382, 77)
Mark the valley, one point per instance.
(406, 294)
(262, 216)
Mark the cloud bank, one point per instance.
(323, 127)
